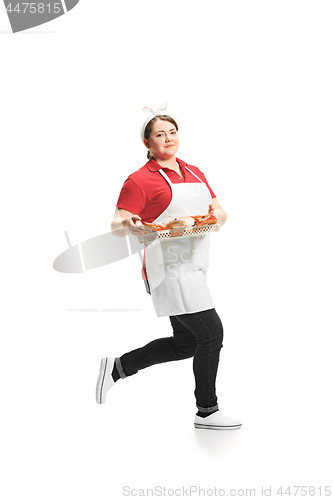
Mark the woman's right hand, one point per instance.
(124, 222)
(135, 225)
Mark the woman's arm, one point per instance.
(124, 221)
(216, 209)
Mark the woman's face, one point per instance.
(163, 141)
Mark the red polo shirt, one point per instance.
(147, 194)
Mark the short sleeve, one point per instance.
(132, 197)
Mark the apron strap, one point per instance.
(165, 177)
(194, 175)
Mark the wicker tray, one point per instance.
(180, 232)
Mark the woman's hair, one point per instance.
(149, 128)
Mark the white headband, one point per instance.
(151, 116)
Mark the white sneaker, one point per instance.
(105, 380)
(217, 421)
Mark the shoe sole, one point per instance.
(100, 381)
(217, 427)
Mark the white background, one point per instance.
(251, 84)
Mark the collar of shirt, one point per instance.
(153, 166)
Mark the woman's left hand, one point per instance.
(212, 211)
(216, 210)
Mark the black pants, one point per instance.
(196, 334)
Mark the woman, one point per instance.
(164, 188)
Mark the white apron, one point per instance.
(176, 269)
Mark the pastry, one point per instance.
(182, 222)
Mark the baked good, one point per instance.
(206, 220)
(154, 227)
(182, 222)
